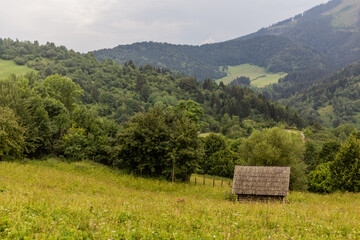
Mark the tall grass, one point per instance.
(259, 76)
(57, 200)
(7, 67)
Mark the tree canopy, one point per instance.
(276, 147)
(159, 143)
(11, 133)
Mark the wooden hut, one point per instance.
(261, 183)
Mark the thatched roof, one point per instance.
(267, 181)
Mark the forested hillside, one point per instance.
(80, 108)
(119, 91)
(319, 94)
(276, 54)
(333, 99)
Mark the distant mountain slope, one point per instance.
(276, 54)
(333, 99)
(332, 29)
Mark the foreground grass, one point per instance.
(7, 67)
(56, 200)
(259, 76)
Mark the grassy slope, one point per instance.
(259, 76)
(52, 200)
(327, 115)
(345, 15)
(8, 67)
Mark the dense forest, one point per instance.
(330, 99)
(276, 54)
(74, 105)
(119, 91)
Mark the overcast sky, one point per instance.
(85, 25)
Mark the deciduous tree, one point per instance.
(12, 139)
(159, 143)
(276, 147)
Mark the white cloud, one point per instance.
(92, 24)
(208, 41)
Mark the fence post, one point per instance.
(204, 180)
(213, 182)
(195, 180)
(222, 183)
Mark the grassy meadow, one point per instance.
(259, 77)
(7, 67)
(57, 200)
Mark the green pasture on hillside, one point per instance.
(259, 76)
(8, 67)
(327, 115)
(83, 200)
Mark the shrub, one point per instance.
(320, 180)
(343, 173)
(20, 60)
(73, 143)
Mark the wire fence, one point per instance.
(215, 182)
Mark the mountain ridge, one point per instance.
(276, 54)
(327, 34)
(332, 29)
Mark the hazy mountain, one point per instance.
(332, 29)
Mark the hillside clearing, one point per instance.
(327, 115)
(52, 200)
(7, 67)
(259, 76)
